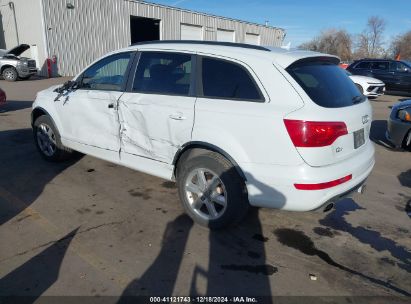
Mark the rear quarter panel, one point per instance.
(251, 132)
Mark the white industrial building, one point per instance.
(76, 32)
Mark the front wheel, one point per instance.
(211, 190)
(47, 140)
(10, 74)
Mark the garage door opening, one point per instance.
(144, 29)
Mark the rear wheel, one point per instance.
(211, 190)
(47, 140)
(10, 74)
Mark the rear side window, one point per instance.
(380, 65)
(363, 65)
(228, 80)
(326, 84)
(163, 73)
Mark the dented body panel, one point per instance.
(155, 126)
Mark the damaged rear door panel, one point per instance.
(157, 112)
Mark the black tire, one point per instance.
(60, 153)
(360, 88)
(10, 74)
(235, 192)
(405, 140)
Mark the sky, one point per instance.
(304, 19)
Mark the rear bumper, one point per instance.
(272, 186)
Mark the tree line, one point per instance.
(368, 44)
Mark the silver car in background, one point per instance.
(12, 66)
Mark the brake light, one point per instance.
(325, 185)
(314, 133)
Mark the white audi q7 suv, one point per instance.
(233, 124)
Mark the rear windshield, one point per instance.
(326, 84)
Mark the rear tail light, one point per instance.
(314, 133)
(325, 185)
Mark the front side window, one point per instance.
(228, 80)
(400, 67)
(326, 84)
(163, 73)
(107, 74)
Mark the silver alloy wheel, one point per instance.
(206, 193)
(46, 139)
(9, 74)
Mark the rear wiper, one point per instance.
(357, 99)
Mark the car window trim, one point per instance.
(192, 89)
(125, 78)
(200, 91)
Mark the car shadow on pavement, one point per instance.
(236, 259)
(14, 105)
(336, 220)
(23, 174)
(35, 276)
(160, 277)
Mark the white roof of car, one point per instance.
(281, 56)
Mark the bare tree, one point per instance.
(370, 41)
(331, 41)
(401, 46)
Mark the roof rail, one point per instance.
(232, 44)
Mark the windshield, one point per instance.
(407, 62)
(326, 84)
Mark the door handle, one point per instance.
(111, 106)
(177, 116)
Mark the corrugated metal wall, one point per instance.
(94, 27)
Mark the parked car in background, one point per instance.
(399, 125)
(3, 97)
(234, 124)
(344, 65)
(368, 86)
(13, 67)
(395, 74)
